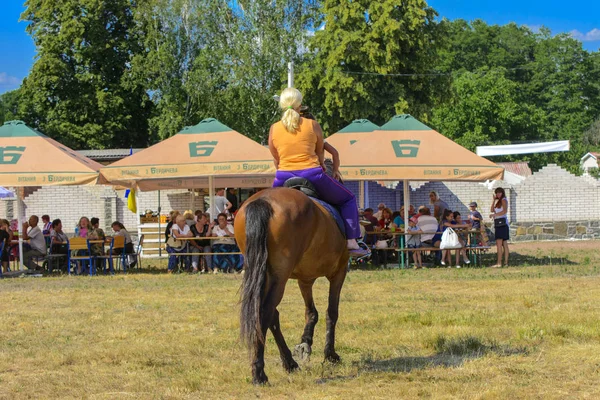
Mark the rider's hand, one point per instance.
(337, 176)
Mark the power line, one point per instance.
(431, 73)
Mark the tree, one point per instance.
(219, 59)
(544, 88)
(591, 136)
(79, 90)
(365, 58)
(487, 108)
(9, 105)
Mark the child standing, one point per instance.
(475, 217)
(413, 241)
(458, 223)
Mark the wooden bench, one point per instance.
(475, 252)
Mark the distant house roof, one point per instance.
(590, 154)
(107, 154)
(520, 168)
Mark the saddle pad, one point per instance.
(334, 213)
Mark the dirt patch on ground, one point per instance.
(557, 245)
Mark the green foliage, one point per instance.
(361, 39)
(79, 89)
(591, 137)
(119, 73)
(486, 107)
(594, 172)
(9, 105)
(513, 85)
(217, 59)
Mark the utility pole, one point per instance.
(291, 74)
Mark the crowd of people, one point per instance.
(48, 238)
(201, 244)
(426, 227)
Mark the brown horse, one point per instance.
(283, 234)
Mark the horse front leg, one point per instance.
(304, 349)
(335, 288)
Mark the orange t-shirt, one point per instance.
(296, 150)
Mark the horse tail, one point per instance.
(258, 213)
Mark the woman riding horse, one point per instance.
(285, 235)
(297, 144)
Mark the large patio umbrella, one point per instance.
(29, 158)
(346, 137)
(206, 154)
(406, 149)
(350, 134)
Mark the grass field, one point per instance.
(530, 331)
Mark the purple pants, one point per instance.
(330, 191)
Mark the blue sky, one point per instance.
(17, 51)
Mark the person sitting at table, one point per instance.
(58, 242)
(386, 222)
(448, 222)
(120, 230)
(172, 217)
(96, 234)
(46, 224)
(399, 218)
(5, 237)
(384, 241)
(429, 226)
(175, 245)
(189, 217)
(36, 248)
(58, 239)
(411, 211)
(226, 262)
(82, 228)
(368, 216)
(201, 229)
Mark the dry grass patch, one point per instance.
(524, 332)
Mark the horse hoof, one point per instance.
(302, 352)
(260, 380)
(291, 366)
(333, 358)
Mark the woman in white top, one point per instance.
(179, 230)
(226, 262)
(499, 210)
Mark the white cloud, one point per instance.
(591, 36)
(7, 80)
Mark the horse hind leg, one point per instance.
(304, 349)
(270, 320)
(335, 288)
(284, 352)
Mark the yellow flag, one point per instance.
(131, 202)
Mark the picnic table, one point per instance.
(475, 251)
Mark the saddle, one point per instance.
(303, 185)
(306, 187)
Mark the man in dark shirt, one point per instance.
(368, 215)
(232, 198)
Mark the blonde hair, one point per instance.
(290, 99)
(188, 214)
